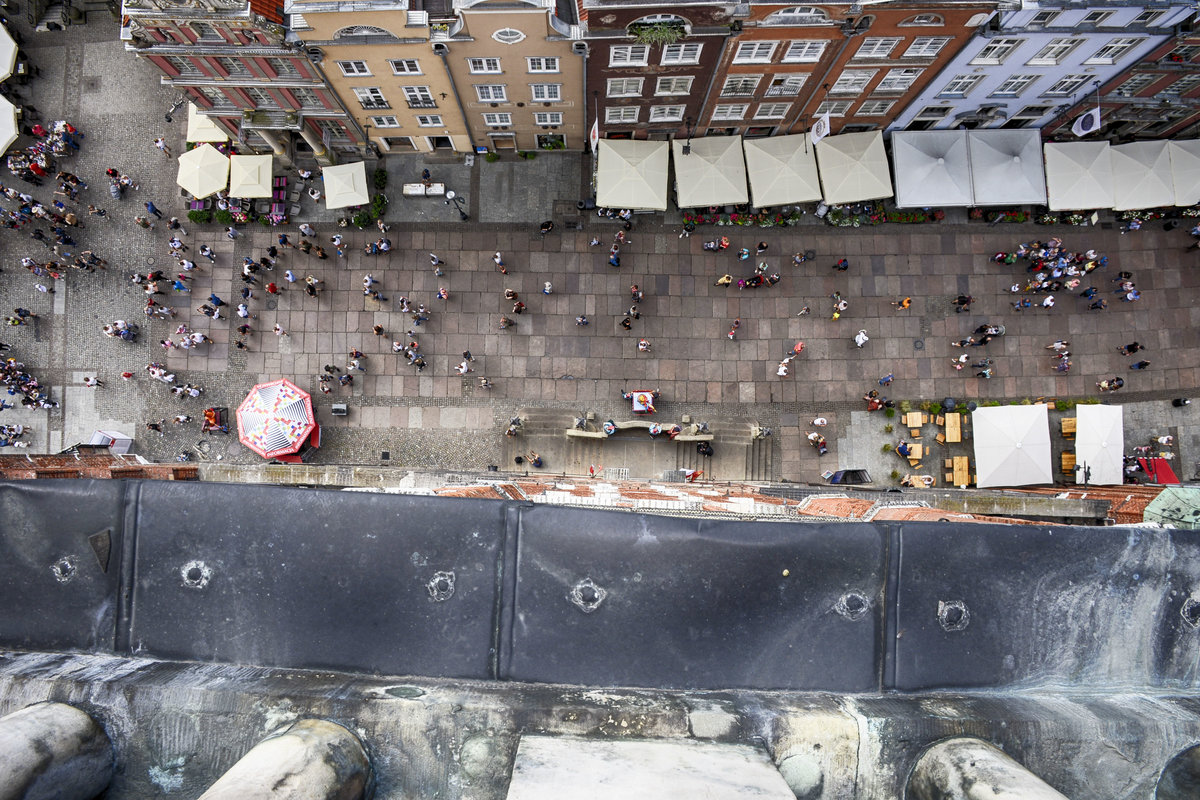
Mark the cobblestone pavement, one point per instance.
(546, 364)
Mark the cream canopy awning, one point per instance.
(1079, 175)
(782, 170)
(1007, 167)
(203, 171)
(8, 54)
(250, 176)
(713, 174)
(1142, 175)
(931, 169)
(202, 129)
(1185, 171)
(853, 167)
(8, 124)
(345, 185)
(632, 174)
(1012, 445)
(1100, 444)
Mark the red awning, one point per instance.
(1159, 470)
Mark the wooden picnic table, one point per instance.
(914, 419)
(915, 451)
(1068, 426)
(962, 471)
(954, 427)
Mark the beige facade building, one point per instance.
(518, 68)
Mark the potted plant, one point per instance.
(657, 33)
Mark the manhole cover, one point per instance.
(272, 305)
(918, 344)
(150, 261)
(385, 456)
(91, 84)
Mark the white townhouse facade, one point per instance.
(1029, 64)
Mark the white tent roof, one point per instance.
(250, 176)
(931, 169)
(1079, 175)
(854, 167)
(1142, 175)
(1099, 444)
(1007, 167)
(8, 124)
(631, 173)
(713, 174)
(1012, 445)
(8, 54)
(202, 128)
(345, 185)
(782, 170)
(1185, 171)
(203, 170)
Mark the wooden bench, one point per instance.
(421, 190)
(636, 423)
(586, 434)
(694, 437)
(1068, 463)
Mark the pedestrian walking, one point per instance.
(435, 261)
(153, 209)
(500, 263)
(643, 345)
(279, 331)
(1139, 365)
(581, 320)
(161, 144)
(886, 380)
(547, 288)
(861, 338)
(1129, 349)
(232, 233)
(208, 253)
(141, 221)
(963, 303)
(92, 383)
(842, 265)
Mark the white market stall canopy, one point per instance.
(632, 174)
(8, 54)
(1141, 175)
(1185, 171)
(202, 129)
(8, 124)
(1007, 167)
(1079, 175)
(345, 185)
(250, 176)
(712, 174)
(931, 169)
(1012, 446)
(1099, 445)
(853, 167)
(203, 170)
(782, 170)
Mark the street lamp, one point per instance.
(451, 197)
(687, 148)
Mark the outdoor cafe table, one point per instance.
(961, 471)
(954, 427)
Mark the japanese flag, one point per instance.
(820, 128)
(1088, 123)
(594, 135)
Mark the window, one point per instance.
(754, 52)
(334, 129)
(625, 87)
(1055, 52)
(852, 81)
(666, 113)
(508, 36)
(183, 65)
(960, 85)
(1183, 52)
(543, 64)
(491, 92)
(681, 54)
(799, 15)
(934, 112)
(995, 51)
(233, 66)
(1043, 18)
(875, 108)
(1066, 85)
(1112, 52)
(483, 66)
(307, 98)
(834, 108)
(736, 85)
(1146, 17)
(898, 80)
(261, 97)
(772, 111)
(1183, 85)
(621, 114)
(418, 97)
(804, 52)
(360, 30)
(497, 120)
(786, 85)
(877, 47)
(354, 67)
(547, 118)
(546, 92)
(660, 19)
(1137, 83)
(371, 97)
(628, 55)
(429, 120)
(1014, 85)
(283, 66)
(405, 66)
(205, 31)
(668, 86)
(730, 111)
(385, 122)
(923, 19)
(1095, 17)
(926, 46)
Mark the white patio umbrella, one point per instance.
(1012, 445)
(713, 173)
(854, 167)
(250, 176)
(201, 128)
(782, 170)
(1185, 171)
(1142, 176)
(1099, 444)
(931, 169)
(203, 171)
(1079, 175)
(8, 54)
(1007, 167)
(8, 124)
(345, 185)
(632, 174)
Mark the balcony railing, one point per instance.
(374, 105)
(738, 91)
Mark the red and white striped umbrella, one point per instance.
(276, 418)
